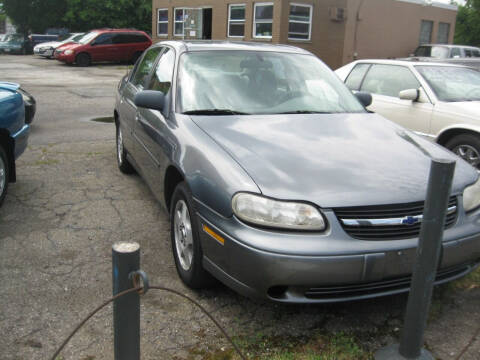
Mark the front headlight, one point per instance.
(26, 98)
(471, 197)
(68, 52)
(263, 211)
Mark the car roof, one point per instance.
(406, 62)
(212, 45)
(116, 30)
(452, 46)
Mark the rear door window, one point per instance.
(389, 80)
(354, 79)
(455, 52)
(143, 68)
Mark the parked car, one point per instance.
(277, 180)
(453, 54)
(14, 44)
(13, 133)
(47, 49)
(439, 101)
(105, 45)
(36, 39)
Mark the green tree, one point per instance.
(467, 29)
(84, 15)
(35, 15)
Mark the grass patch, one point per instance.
(45, 162)
(319, 346)
(469, 282)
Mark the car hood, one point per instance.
(10, 44)
(332, 160)
(67, 46)
(4, 85)
(49, 44)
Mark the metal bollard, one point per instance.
(126, 309)
(425, 268)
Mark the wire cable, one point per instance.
(140, 289)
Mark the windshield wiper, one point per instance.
(214, 112)
(304, 112)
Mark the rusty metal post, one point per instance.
(126, 309)
(425, 267)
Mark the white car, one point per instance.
(47, 49)
(439, 101)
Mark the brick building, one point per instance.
(335, 30)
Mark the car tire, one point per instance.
(185, 238)
(135, 57)
(467, 146)
(83, 60)
(4, 174)
(122, 161)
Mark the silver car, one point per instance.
(277, 180)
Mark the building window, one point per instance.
(236, 20)
(162, 22)
(426, 32)
(263, 20)
(443, 32)
(299, 22)
(179, 21)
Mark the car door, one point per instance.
(127, 108)
(384, 82)
(152, 127)
(101, 47)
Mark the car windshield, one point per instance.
(439, 52)
(14, 38)
(88, 37)
(259, 82)
(74, 38)
(451, 83)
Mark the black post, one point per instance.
(425, 268)
(126, 309)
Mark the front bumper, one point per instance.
(328, 267)
(43, 52)
(20, 140)
(69, 59)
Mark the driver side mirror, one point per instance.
(150, 99)
(365, 98)
(409, 94)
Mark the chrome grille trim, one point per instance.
(391, 221)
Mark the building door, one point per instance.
(207, 24)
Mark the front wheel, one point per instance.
(185, 238)
(467, 146)
(83, 60)
(122, 161)
(4, 174)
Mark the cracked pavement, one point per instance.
(70, 204)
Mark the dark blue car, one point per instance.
(13, 132)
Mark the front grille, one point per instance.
(365, 230)
(395, 285)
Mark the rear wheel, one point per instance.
(4, 174)
(186, 247)
(467, 146)
(83, 60)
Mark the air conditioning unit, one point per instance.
(337, 14)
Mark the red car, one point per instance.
(105, 45)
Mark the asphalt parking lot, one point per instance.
(70, 204)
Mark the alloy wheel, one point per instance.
(3, 175)
(469, 154)
(120, 146)
(183, 235)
